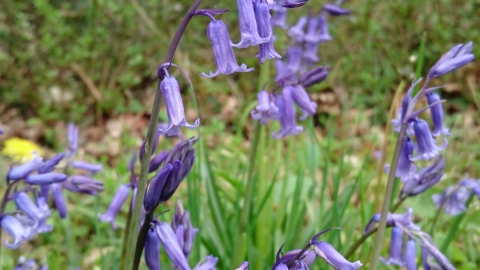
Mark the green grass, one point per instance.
(326, 177)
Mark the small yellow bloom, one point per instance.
(20, 150)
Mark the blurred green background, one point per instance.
(94, 62)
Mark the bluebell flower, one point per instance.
(396, 245)
(169, 241)
(405, 167)
(453, 199)
(301, 97)
(472, 184)
(21, 171)
(16, 230)
(426, 146)
(335, 10)
(266, 109)
(262, 16)
(279, 18)
(24, 264)
(155, 188)
(310, 52)
(46, 178)
(152, 250)
(157, 160)
(297, 31)
(243, 266)
(222, 50)
(267, 51)
(59, 199)
(410, 254)
(324, 34)
(51, 163)
(183, 228)
(174, 105)
(333, 257)
(116, 205)
(400, 220)
(209, 264)
(42, 226)
(436, 112)
(248, 26)
(286, 109)
(312, 30)
(430, 250)
(455, 58)
(294, 59)
(314, 76)
(424, 179)
(83, 165)
(305, 260)
(29, 208)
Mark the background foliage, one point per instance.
(94, 62)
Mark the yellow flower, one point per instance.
(20, 150)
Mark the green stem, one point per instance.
(360, 241)
(247, 198)
(131, 242)
(142, 183)
(454, 226)
(386, 200)
(125, 237)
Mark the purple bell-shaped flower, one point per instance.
(174, 104)
(287, 115)
(426, 146)
(222, 50)
(248, 25)
(265, 110)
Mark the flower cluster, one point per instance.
(30, 264)
(454, 198)
(170, 169)
(297, 71)
(420, 143)
(177, 240)
(303, 258)
(29, 186)
(405, 235)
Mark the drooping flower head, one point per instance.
(222, 50)
(266, 109)
(118, 200)
(426, 146)
(436, 112)
(286, 109)
(452, 199)
(175, 111)
(262, 16)
(251, 36)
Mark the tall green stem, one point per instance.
(247, 198)
(132, 235)
(386, 200)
